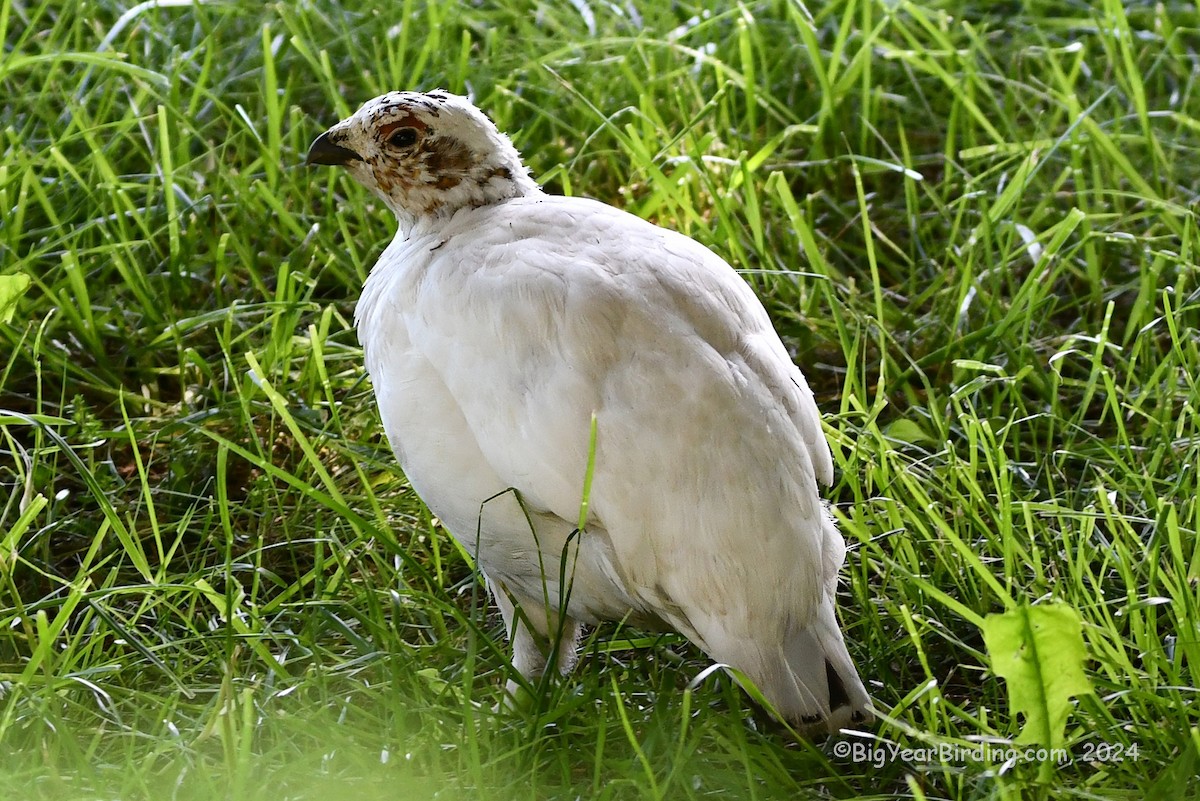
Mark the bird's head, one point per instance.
(425, 154)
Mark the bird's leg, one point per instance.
(535, 632)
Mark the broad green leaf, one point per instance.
(1039, 651)
(12, 287)
(908, 431)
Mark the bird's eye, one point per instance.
(405, 137)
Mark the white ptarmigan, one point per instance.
(501, 319)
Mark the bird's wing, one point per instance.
(540, 313)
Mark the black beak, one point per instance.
(325, 151)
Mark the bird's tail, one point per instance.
(819, 685)
(816, 685)
(808, 677)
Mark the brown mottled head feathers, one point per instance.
(429, 154)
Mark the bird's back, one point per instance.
(536, 313)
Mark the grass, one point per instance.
(974, 226)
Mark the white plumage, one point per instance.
(501, 319)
